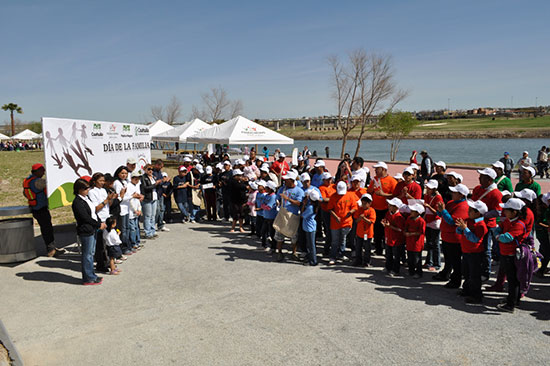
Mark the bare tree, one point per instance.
(157, 112)
(362, 88)
(217, 106)
(236, 108)
(197, 113)
(169, 114)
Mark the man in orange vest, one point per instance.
(34, 189)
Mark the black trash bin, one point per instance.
(16, 235)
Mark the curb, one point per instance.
(5, 342)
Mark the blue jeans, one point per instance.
(123, 223)
(149, 212)
(159, 218)
(183, 209)
(310, 247)
(433, 247)
(194, 211)
(88, 251)
(488, 241)
(338, 246)
(133, 225)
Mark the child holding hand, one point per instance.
(415, 229)
(394, 227)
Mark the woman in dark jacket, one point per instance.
(87, 224)
(149, 205)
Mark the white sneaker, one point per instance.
(164, 228)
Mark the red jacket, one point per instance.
(456, 210)
(529, 220)
(515, 228)
(414, 190)
(479, 229)
(430, 216)
(491, 199)
(394, 237)
(415, 243)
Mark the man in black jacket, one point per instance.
(426, 167)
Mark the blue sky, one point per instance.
(113, 60)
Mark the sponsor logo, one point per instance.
(96, 131)
(140, 131)
(126, 131)
(248, 130)
(97, 126)
(112, 133)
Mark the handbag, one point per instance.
(286, 223)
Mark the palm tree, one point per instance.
(12, 107)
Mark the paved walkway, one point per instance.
(199, 295)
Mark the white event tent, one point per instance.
(27, 135)
(182, 132)
(158, 127)
(4, 137)
(240, 131)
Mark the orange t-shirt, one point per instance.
(363, 227)
(326, 192)
(387, 184)
(359, 192)
(342, 205)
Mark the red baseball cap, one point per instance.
(36, 166)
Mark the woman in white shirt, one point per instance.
(121, 176)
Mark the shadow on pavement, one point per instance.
(49, 277)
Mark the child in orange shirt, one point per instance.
(365, 218)
(394, 226)
(415, 228)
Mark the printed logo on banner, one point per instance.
(140, 131)
(248, 130)
(96, 132)
(126, 131)
(112, 133)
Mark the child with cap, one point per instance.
(133, 191)
(472, 231)
(309, 209)
(209, 182)
(327, 189)
(415, 228)
(269, 209)
(431, 200)
(408, 189)
(365, 217)
(251, 206)
(341, 206)
(394, 225)
(258, 207)
(166, 193)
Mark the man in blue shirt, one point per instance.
(291, 198)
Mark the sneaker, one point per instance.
(155, 235)
(123, 257)
(331, 262)
(127, 252)
(432, 269)
(164, 228)
(114, 272)
(97, 281)
(193, 221)
(505, 307)
(390, 274)
(59, 252)
(118, 261)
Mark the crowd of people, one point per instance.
(19, 145)
(354, 214)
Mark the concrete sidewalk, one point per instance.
(199, 295)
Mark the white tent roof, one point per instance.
(4, 137)
(27, 135)
(158, 127)
(182, 132)
(240, 131)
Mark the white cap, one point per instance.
(227, 162)
(527, 194)
(271, 185)
(380, 164)
(264, 169)
(408, 170)
(246, 157)
(304, 177)
(253, 185)
(366, 195)
(219, 166)
(182, 169)
(395, 202)
(282, 155)
(261, 182)
(460, 188)
(417, 207)
(398, 176)
(432, 184)
(187, 159)
(208, 170)
(136, 173)
(237, 172)
(200, 168)
(480, 206)
(531, 170)
(131, 160)
(239, 162)
(290, 175)
(196, 161)
(526, 152)
(441, 164)
(341, 188)
(488, 172)
(498, 164)
(414, 166)
(356, 177)
(456, 175)
(326, 175)
(319, 164)
(164, 174)
(513, 204)
(506, 193)
(546, 198)
(314, 195)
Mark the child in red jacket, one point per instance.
(415, 229)
(472, 231)
(394, 227)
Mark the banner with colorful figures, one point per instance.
(77, 148)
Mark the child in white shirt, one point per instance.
(112, 241)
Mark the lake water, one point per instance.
(484, 151)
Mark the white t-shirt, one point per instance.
(134, 204)
(111, 238)
(124, 202)
(363, 174)
(98, 196)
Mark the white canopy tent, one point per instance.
(182, 132)
(159, 127)
(4, 137)
(27, 135)
(240, 131)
